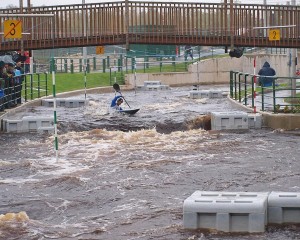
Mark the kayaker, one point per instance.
(116, 103)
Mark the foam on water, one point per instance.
(19, 217)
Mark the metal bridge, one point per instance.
(130, 22)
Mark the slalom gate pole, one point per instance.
(54, 113)
(254, 86)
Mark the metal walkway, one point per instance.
(130, 22)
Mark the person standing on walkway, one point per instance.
(9, 86)
(19, 76)
(2, 86)
(266, 75)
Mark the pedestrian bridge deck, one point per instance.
(131, 22)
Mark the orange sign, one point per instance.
(274, 34)
(100, 50)
(12, 29)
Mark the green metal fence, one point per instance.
(23, 88)
(282, 96)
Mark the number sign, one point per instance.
(12, 29)
(274, 34)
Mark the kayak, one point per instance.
(129, 111)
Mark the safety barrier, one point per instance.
(236, 120)
(154, 85)
(29, 124)
(240, 211)
(64, 102)
(25, 87)
(207, 94)
(280, 97)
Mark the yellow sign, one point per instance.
(274, 34)
(100, 50)
(12, 29)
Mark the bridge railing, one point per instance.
(281, 97)
(178, 23)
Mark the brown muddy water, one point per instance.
(124, 177)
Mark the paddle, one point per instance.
(117, 89)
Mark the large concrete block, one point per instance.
(12, 125)
(73, 103)
(60, 102)
(216, 94)
(200, 94)
(140, 87)
(284, 207)
(229, 120)
(156, 87)
(33, 123)
(151, 83)
(255, 120)
(48, 130)
(226, 211)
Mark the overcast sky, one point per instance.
(36, 3)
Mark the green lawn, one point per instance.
(66, 82)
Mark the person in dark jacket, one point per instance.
(19, 76)
(266, 75)
(2, 85)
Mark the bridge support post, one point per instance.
(80, 65)
(66, 65)
(103, 65)
(72, 66)
(88, 66)
(94, 63)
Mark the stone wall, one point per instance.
(214, 71)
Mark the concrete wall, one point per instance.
(214, 71)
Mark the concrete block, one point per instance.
(215, 94)
(73, 103)
(49, 129)
(284, 207)
(147, 83)
(229, 120)
(226, 211)
(200, 94)
(156, 87)
(60, 102)
(33, 123)
(255, 120)
(12, 125)
(140, 88)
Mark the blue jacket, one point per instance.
(266, 71)
(114, 103)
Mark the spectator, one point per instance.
(266, 75)
(188, 52)
(27, 62)
(19, 77)
(9, 86)
(2, 84)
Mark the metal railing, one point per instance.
(283, 96)
(129, 22)
(18, 89)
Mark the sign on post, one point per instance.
(100, 50)
(12, 29)
(274, 34)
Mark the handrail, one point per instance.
(139, 22)
(276, 98)
(22, 88)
